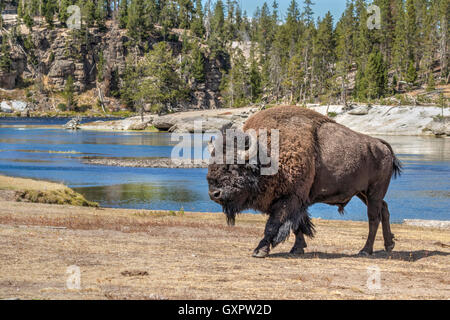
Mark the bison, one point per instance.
(320, 161)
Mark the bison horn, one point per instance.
(211, 147)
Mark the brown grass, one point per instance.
(135, 254)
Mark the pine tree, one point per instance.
(123, 14)
(230, 27)
(255, 79)
(400, 53)
(216, 40)
(292, 23)
(431, 84)
(185, 12)
(444, 17)
(344, 33)
(411, 29)
(294, 79)
(198, 65)
(49, 10)
(88, 13)
(63, 15)
(69, 93)
(376, 75)
(308, 12)
(411, 75)
(197, 26)
(101, 13)
(385, 35)
(5, 55)
(154, 80)
(324, 55)
(168, 17)
(362, 44)
(265, 31)
(136, 24)
(235, 85)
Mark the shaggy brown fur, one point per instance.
(298, 128)
(320, 161)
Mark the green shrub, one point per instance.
(82, 108)
(62, 107)
(332, 114)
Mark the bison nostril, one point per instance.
(216, 194)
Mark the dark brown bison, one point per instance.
(320, 161)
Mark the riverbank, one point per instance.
(135, 254)
(375, 120)
(29, 190)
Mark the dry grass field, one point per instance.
(131, 254)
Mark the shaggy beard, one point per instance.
(231, 210)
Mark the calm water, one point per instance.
(36, 148)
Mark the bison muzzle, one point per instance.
(320, 161)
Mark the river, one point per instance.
(40, 149)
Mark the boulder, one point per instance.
(61, 69)
(208, 124)
(6, 107)
(138, 126)
(19, 106)
(73, 124)
(360, 111)
(439, 127)
(164, 123)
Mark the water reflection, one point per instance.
(138, 194)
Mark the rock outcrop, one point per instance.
(387, 120)
(14, 106)
(439, 126)
(60, 53)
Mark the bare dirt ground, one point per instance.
(131, 254)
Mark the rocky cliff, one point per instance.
(49, 56)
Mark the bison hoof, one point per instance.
(390, 247)
(297, 251)
(364, 253)
(261, 253)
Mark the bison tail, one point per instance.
(397, 168)
(397, 165)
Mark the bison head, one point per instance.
(234, 181)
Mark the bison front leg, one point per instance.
(277, 227)
(273, 226)
(285, 214)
